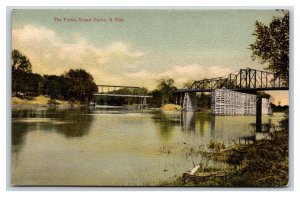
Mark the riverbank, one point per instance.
(261, 164)
(171, 107)
(40, 101)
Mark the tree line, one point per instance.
(78, 85)
(73, 85)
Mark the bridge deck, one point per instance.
(116, 86)
(237, 89)
(123, 95)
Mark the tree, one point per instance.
(166, 87)
(156, 98)
(33, 84)
(272, 45)
(20, 61)
(54, 86)
(24, 82)
(204, 100)
(80, 85)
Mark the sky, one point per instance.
(139, 47)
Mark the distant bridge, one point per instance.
(123, 91)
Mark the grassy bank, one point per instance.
(261, 164)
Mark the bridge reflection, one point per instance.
(228, 129)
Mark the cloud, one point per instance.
(115, 63)
(51, 54)
(181, 74)
(122, 49)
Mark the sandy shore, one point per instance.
(39, 101)
(171, 107)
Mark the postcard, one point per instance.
(150, 97)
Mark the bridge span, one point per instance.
(123, 91)
(243, 81)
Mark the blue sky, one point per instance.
(148, 45)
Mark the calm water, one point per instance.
(97, 147)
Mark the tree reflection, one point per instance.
(165, 123)
(69, 122)
(18, 134)
(265, 127)
(75, 125)
(204, 119)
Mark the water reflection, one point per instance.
(228, 129)
(18, 134)
(165, 123)
(70, 123)
(116, 147)
(187, 121)
(203, 120)
(76, 125)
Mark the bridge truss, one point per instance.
(244, 80)
(123, 91)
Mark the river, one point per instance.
(89, 147)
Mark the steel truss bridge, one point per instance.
(122, 91)
(244, 80)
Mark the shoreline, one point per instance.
(42, 101)
(261, 164)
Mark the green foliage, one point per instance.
(119, 101)
(204, 100)
(24, 82)
(74, 85)
(284, 124)
(80, 85)
(20, 61)
(261, 164)
(264, 163)
(163, 94)
(156, 98)
(54, 86)
(272, 45)
(166, 87)
(216, 146)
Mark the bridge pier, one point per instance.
(189, 101)
(143, 102)
(258, 112)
